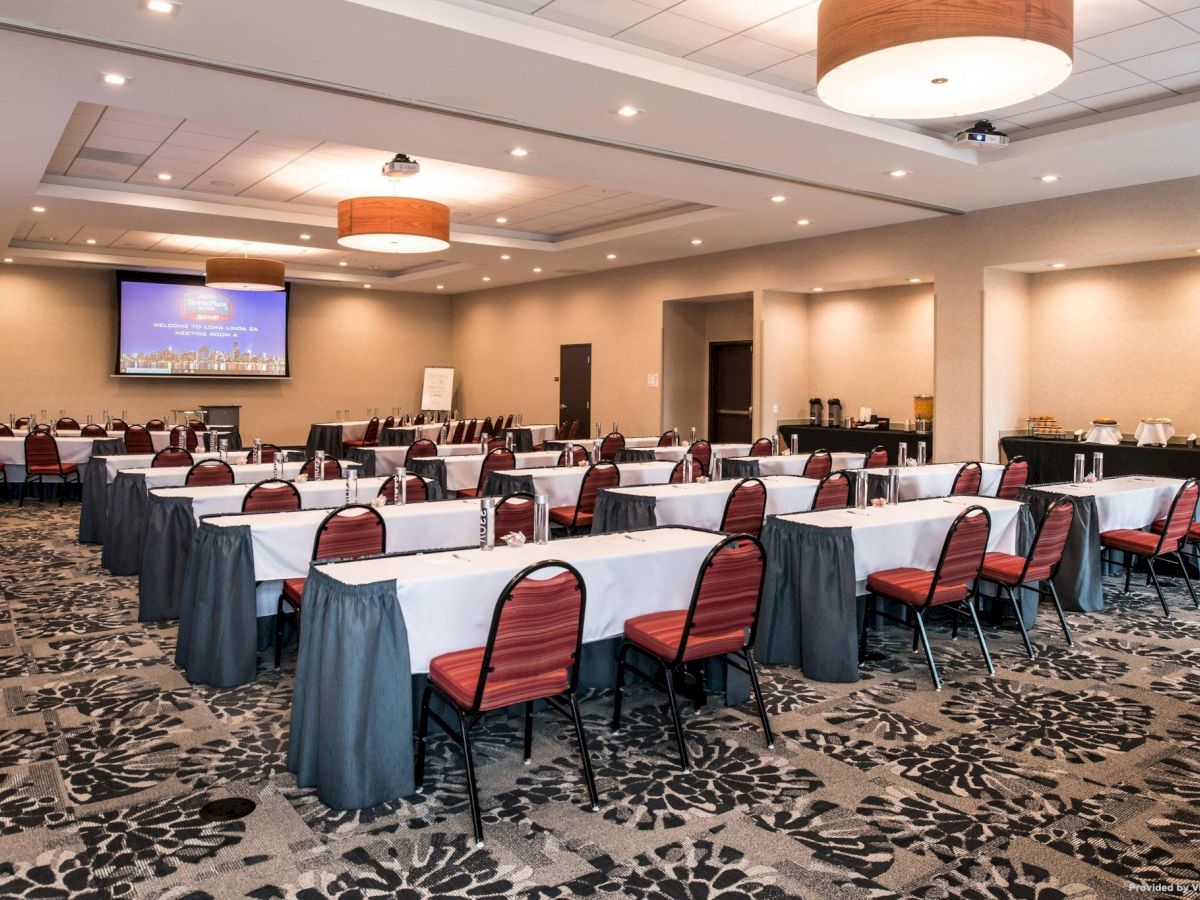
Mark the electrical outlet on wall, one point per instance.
(652, 379)
(774, 407)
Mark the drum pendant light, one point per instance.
(243, 273)
(393, 224)
(933, 59)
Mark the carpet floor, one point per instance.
(1074, 775)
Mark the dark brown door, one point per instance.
(575, 386)
(730, 375)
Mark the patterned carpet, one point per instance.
(1072, 776)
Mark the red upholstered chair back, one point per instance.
(196, 425)
(209, 472)
(156, 425)
(352, 531)
(667, 439)
(572, 432)
(1050, 540)
(601, 475)
(745, 508)
(93, 430)
(677, 472)
(819, 464)
(414, 490)
(117, 425)
(499, 423)
(962, 554)
(535, 635)
(728, 591)
(560, 433)
(469, 437)
(422, 448)
(573, 455)
(1016, 474)
(5, 431)
(515, 514)
(182, 436)
(268, 452)
(170, 457)
(458, 432)
(833, 492)
(877, 458)
(371, 435)
(41, 451)
(508, 422)
(1179, 519)
(762, 447)
(138, 440)
(486, 427)
(702, 452)
(389, 422)
(333, 468)
(66, 423)
(419, 420)
(42, 429)
(612, 442)
(497, 443)
(968, 480)
(22, 422)
(272, 495)
(496, 460)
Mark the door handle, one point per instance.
(733, 412)
(562, 406)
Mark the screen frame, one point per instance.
(123, 275)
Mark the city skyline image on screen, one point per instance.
(193, 330)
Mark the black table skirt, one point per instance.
(397, 437)
(366, 460)
(855, 440)
(325, 437)
(500, 484)
(1078, 580)
(740, 468)
(623, 512)
(522, 439)
(125, 525)
(635, 454)
(93, 506)
(431, 467)
(1051, 461)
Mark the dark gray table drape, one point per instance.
(170, 527)
(125, 525)
(501, 484)
(92, 507)
(740, 468)
(1079, 584)
(397, 437)
(522, 439)
(635, 454)
(365, 458)
(432, 468)
(325, 437)
(623, 512)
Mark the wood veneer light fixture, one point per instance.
(393, 225)
(933, 59)
(243, 273)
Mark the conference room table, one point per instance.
(384, 460)
(924, 482)
(644, 442)
(1053, 460)
(160, 439)
(460, 473)
(409, 434)
(127, 505)
(1130, 501)
(71, 451)
(330, 436)
(699, 504)
(561, 484)
(784, 464)
(676, 453)
(820, 561)
(238, 562)
(372, 626)
(526, 437)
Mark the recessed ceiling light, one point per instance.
(166, 7)
(90, 241)
(487, 277)
(696, 242)
(367, 286)
(611, 256)
(628, 111)
(343, 263)
(804, 221)
(8, 259)
(818, 290)
(518, 152)
(501, 220)
(914, 281)
(115, 80)
(38, 209)
(505, 256)
(1048, 179)
(306, 237)
(778, 198)
(1058, 265)
(899, 173)
(441, 287)
(164, 176)
(539, 268)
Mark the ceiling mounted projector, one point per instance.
(983, 135)
(401, 166)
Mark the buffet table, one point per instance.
(858, 440)
(1051, 460)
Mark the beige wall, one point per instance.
(1117, 341)
(349, 348)
(689, 326)
(1006, 351)
(784, 339)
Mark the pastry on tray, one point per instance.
(1103, 420)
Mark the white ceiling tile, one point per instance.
(285, 140)
(202, 141)
(1127, 97)
(1084, 61)
(599, 16)
(89, 109)
(1184, 84)
(1042, 102)
(741, 54)
(1191, 18)
(676, 35)
(525, 6)
(1098, 81)
(94, 168)
(113, 128)
(122, 145)
(661, 4)
(798, 73)
(116, 113)
(1167, 64)
(795, 31)
(1059, 113)
(734, 16)
(198, 126)
(1093, 17)
(1170, 7)
(1140, 40)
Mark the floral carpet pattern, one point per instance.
(1074, 775)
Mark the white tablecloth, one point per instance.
(388, 459)
(159, 439)
(75, 450)
(174, 476)
(719, 451)
(115, 464)
(561, 484)
(702, 505)
(351, 431)
(428, 431)
(1133, 501)
(227, 498)
(462, 472)
(794, 464)
(912, 534)
(923, 482)
(540, 433)
(448, 599)
(1148, 433)
(1104, 434)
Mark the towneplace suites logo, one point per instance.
(206, 306)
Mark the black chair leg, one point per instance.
(528, 732)
(586, 758)
(24, 485)
(1128, 570)
(472, 789)
(683, 754)
(758, 697)
(1187, 578)
(919, 630)
(1062, 619)
(279, 631)
(987, 657)
(619, 688)
(868, 614)
(1157, 586)
(422, 740)
(1016, 604)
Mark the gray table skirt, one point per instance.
(365, 458)
(635, 454)
(1078, 581)
(124, 525)
(170, 528)
(93, 506)
(623, 512)
(522, 439)
(397, 437)
(325, 437)
(431, 467)
(501, 484)
(740, 468)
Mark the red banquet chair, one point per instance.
(389, 422)
(818, 465)
(209, 473)
(677, 472)
(156, 425)
(414, 490)
(876, 459)
(702, 452)
(508, 422)
(420, 419)
(22, 423)
(196, 425)
(497, 460)
(968, 480)
(272, 495)
(93, 430)
(497, 443)
(1165, 540)
(117, 425)
(42, 429)
(833, 492)
(579, 517)
(762, 447)
(745, 508)
(66, 423)
(572, 432)
(1011, 573)
(458, 432)
(42, 461)
(720, 621)
(613, 442)
(1015, 476)
(953, 584)
(421, 449)
(346, 533)
(515, 514)
(138, 440)
(469, 438)
(572, 456)
(486, 427)
(171, 457)
(532, 653)
(370, 437)
(182, 436)
(5, 431)
(667, 438)
(268, 452)
(332, 468)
